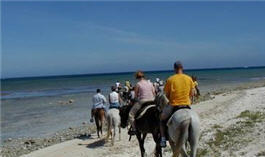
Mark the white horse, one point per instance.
(113, 121)
(183, 127)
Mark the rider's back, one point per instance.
(178, 88)
(98, 100)
(146, 90)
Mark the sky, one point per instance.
(61, 38)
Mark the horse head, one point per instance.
(161, 100)
(124, 114)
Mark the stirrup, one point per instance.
(163, 143)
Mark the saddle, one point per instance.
(140, 113)
(144, 108)
(176, 108)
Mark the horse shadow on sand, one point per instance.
(95, 144)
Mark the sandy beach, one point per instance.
(232, 125)
(61, 60)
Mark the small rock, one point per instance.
(71, 101)
(29, 142)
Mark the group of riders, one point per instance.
(180, 90)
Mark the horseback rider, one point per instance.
(156, 84)
(127, 89)
(132, 95)
(114, 99)
(196, 86)
(178, 89)
(118, 86)
(144, 92)
(99, 101)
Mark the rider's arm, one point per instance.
(136, 90)
(166, 89)
(153, 90)
(192, 86)
(104, 99)
(120, 100)
(109, 99)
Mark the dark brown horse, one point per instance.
(99, 115)
(148, 123)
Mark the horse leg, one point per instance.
(141, 142)
(109, 128)
(158, 152)
(173, 147)
(102, 118)
(97, 124)
(114, 134)
(100, 127)
(194, 134)
(119, 132)
(183, 151)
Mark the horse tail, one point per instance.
(182, 136)
(109, 123)
(194, 133)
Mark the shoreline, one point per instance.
(20, 146)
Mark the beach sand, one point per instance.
(232, 125)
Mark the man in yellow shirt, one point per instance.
(179, 90)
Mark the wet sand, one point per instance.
(224, 112)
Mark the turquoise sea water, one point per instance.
(30, 106)
(50, 86)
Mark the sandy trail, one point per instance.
(220, 111)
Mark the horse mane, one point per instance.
(140, 115)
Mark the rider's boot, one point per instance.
(163, 142)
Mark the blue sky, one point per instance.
(55, 38)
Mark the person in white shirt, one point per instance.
(114, 98)
(99, 101)
(132, 96)
(118, 85)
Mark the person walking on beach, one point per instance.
(196, 86)
(114, 99)
(99, 101)
(144, 92)
(179, 90)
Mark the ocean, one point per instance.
(35, 106)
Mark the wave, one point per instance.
(257, 78)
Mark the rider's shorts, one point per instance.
(168, 109)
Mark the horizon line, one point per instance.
(128, 72)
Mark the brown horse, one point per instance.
(99, 115)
